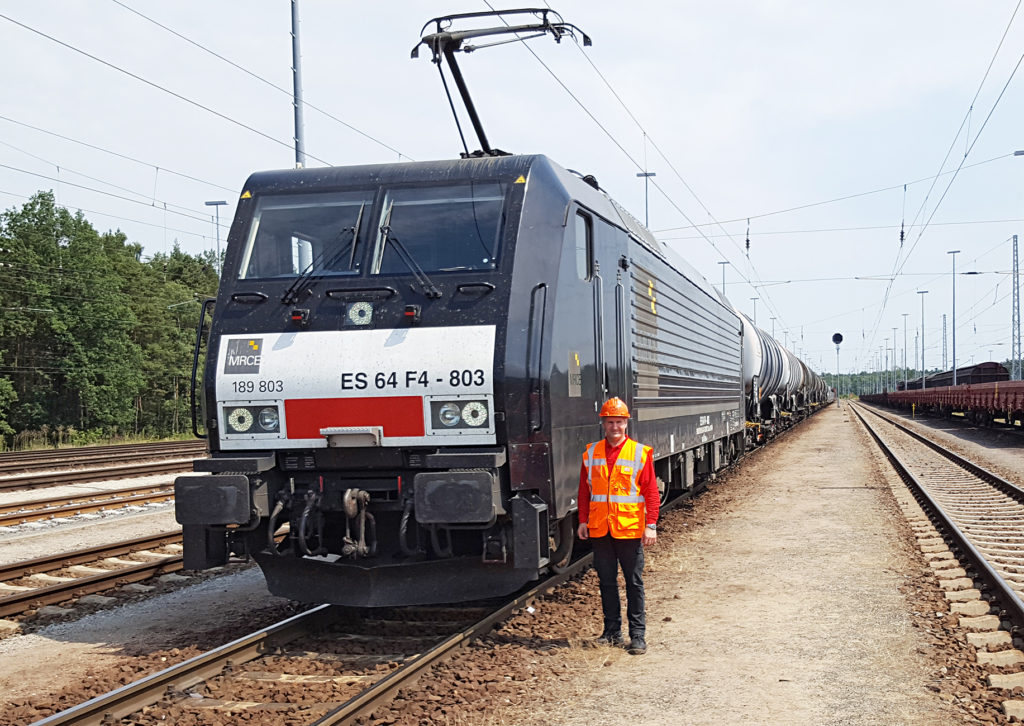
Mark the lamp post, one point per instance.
(886, 377)
(905, 350)
(216, 208)
(723, 263)
(755, 299)
(646, 176)
(954, 253)
(922, 293)
(894, 364)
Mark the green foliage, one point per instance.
(94, 342)
(865, 382)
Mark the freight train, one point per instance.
(989, 372)
(984, 395)
(406, 361)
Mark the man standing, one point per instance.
(618, 511)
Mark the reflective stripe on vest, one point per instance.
(617, 498)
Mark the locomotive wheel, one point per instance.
(561, 540)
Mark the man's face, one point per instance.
(614, 429)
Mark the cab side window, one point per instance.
(584, 245)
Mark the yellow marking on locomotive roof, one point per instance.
(520, 180)
(246, 194)
(577, 358)
(652, 296)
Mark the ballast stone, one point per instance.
(48, 611)
(138, 587)
(96, 600)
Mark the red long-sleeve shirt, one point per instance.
(647, 483)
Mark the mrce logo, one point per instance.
(244, 355)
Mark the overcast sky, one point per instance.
(757, 107)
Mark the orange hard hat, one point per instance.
(614, 407)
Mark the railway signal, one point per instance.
(837, 339)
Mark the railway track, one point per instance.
(33, 583)
(23, 461)
(336, 664)
(980, 517)
(79, 476)
(35, 510)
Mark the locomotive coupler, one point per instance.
(354, 503)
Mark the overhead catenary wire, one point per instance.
(866, 228)
(768, 302)
(117, 154)
(104, 192)
(898, 265)
(834, 200)
(260, 78)
(186, 99)
(64, 168)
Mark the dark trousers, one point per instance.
(609, 554)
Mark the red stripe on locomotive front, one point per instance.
(398, 415)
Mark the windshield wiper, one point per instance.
(308, 275)
(429, 289)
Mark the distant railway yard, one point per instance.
(917, 614)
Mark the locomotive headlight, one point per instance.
(449, 414)
(360, 313)
(239, 420)
(269, 419)
(474, 413)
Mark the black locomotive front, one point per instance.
(365, 378)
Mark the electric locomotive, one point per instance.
(406, 361)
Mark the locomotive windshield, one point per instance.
(444, 228)
(306, 233)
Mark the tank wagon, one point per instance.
(405, 363)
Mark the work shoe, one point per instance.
(637, 646)
(610, 639)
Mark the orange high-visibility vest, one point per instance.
(616, 505)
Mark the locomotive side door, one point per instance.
(576, 387)
(611, 323)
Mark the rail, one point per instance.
(1008, 598)
(19, 602)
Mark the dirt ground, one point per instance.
(790, 593)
